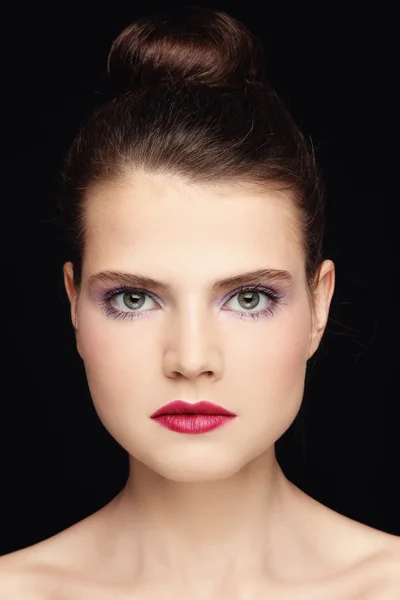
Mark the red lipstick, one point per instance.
(184, 417)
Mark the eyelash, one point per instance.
(109, 310)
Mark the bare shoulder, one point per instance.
(51, 569)
(22, 578)
(14, 578)
(382, 570)
(24, 575)
(44, 570)
(390, 570)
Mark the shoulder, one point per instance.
(390, 567)
(380, 568)
(368, 558)
(384, 571)
(21, 578)
(11, 578)
(42, 570)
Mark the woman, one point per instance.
(198, 293)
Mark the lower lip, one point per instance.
(192, 423)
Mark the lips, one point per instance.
(179, 407)
(192, 423)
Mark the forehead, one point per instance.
(157, 219)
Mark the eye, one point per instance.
(247, 299)
(126, 303)
(250, 298)
(134, 300)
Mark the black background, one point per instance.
(336, 70)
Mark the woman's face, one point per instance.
(190, 341)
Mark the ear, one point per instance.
(72, 294)
(321, 303)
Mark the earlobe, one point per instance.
(321, 304)
(72, 296)
(71, 292)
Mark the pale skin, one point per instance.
(211, 515)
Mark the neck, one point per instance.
(187, 531)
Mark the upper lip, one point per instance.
(179, 407)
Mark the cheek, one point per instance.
(113, 351)
(262, 381)
(283, 359)
(286, 354)
(270, 377)
(121, 358)
(266, 361)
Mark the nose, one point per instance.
(192, 348)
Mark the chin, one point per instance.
(185, 474)
(191, 467)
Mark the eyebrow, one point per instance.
(274, 276)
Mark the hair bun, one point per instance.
(185, 44)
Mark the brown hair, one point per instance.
(190, 99)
